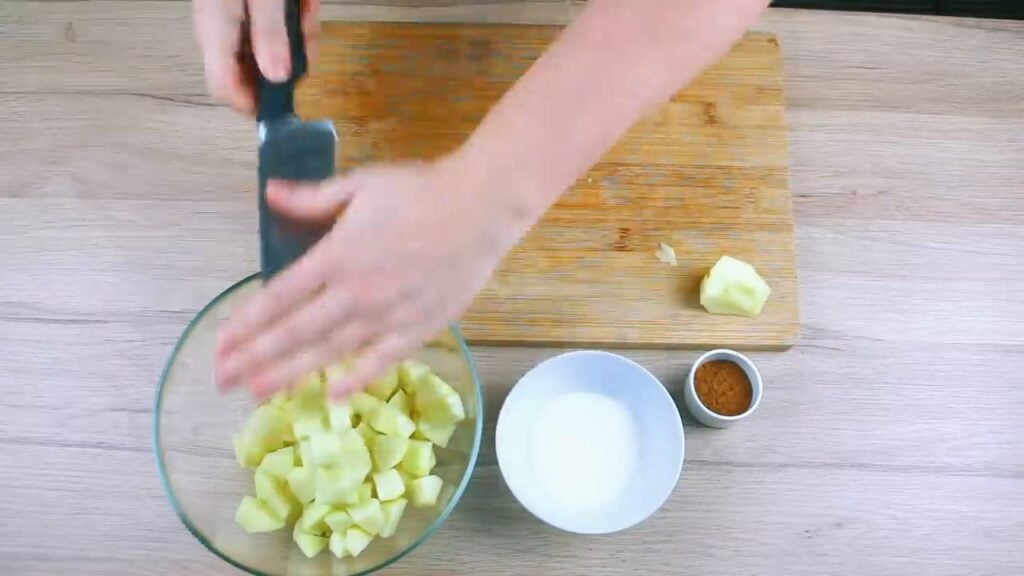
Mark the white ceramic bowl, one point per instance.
(705, 415)
(562, 452)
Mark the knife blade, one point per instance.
(289, 149)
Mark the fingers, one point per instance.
(218, 27)
(312, 202)
(309, 323)
(283, 374)
(373, 361)
(270, 38)
(296, 284)
(311, 28)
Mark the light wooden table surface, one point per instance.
(890, 441)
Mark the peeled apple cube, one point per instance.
(338, 521)
(266, 429)
(279, 499)
(385, 386)
(305, 450)
(310, 544)
(423, 492)
(419, 458)
(354, 451)
(356, 540)
(387, 451)
(366, 433)
(278, 463)
(326, 448)
(364, 493)
(312, 519)
(336, 544)
(401, 401)
(340, 416)
(438, 402)
(393, 511)
(307, 426)
(733, 287)
(339, 485)
(266, 484)
(388, 484)
(368, 515)
(308, 395)
(248, 455)
(410, 373)
(365, 405)
(302, 481)
(439, 434)
(255, 516)
(391, 421)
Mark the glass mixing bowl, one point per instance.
(193, 425)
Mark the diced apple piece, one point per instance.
(423, 492)
(326, 448)
(419, 458)
(255, 516)
(393, 511)
(274, 492)
(354, 450)
(302, 481)
(308, 425)
(390, 421)
(248, 455)
(265, 484)
(266, 429)
(439, 434)
(340, 416)
(438, 402)
(387, 451)
(337, 544)
(368, 515)
(388, 485)
(401, 401)
(356, 540)
(384, 386)
(406, 478)
(312, 520)
(310, 544)
(366, 432)
(278, 463)
(365, 405)
(308, 395)
(364, 493)
(284, 504)
(339, 484)
(338, 521)
(305, 452)
(410, 373)
(733, 287)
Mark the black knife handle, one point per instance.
(274, 100)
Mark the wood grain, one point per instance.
(706, 174)
(890, 440)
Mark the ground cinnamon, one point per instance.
(723, 387)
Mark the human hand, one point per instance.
(227, 61)
(416, 242)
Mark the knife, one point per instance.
(289, 149)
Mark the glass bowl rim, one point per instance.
(198, 535)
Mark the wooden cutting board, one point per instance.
(706, 174)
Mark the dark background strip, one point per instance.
(1010, 9)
